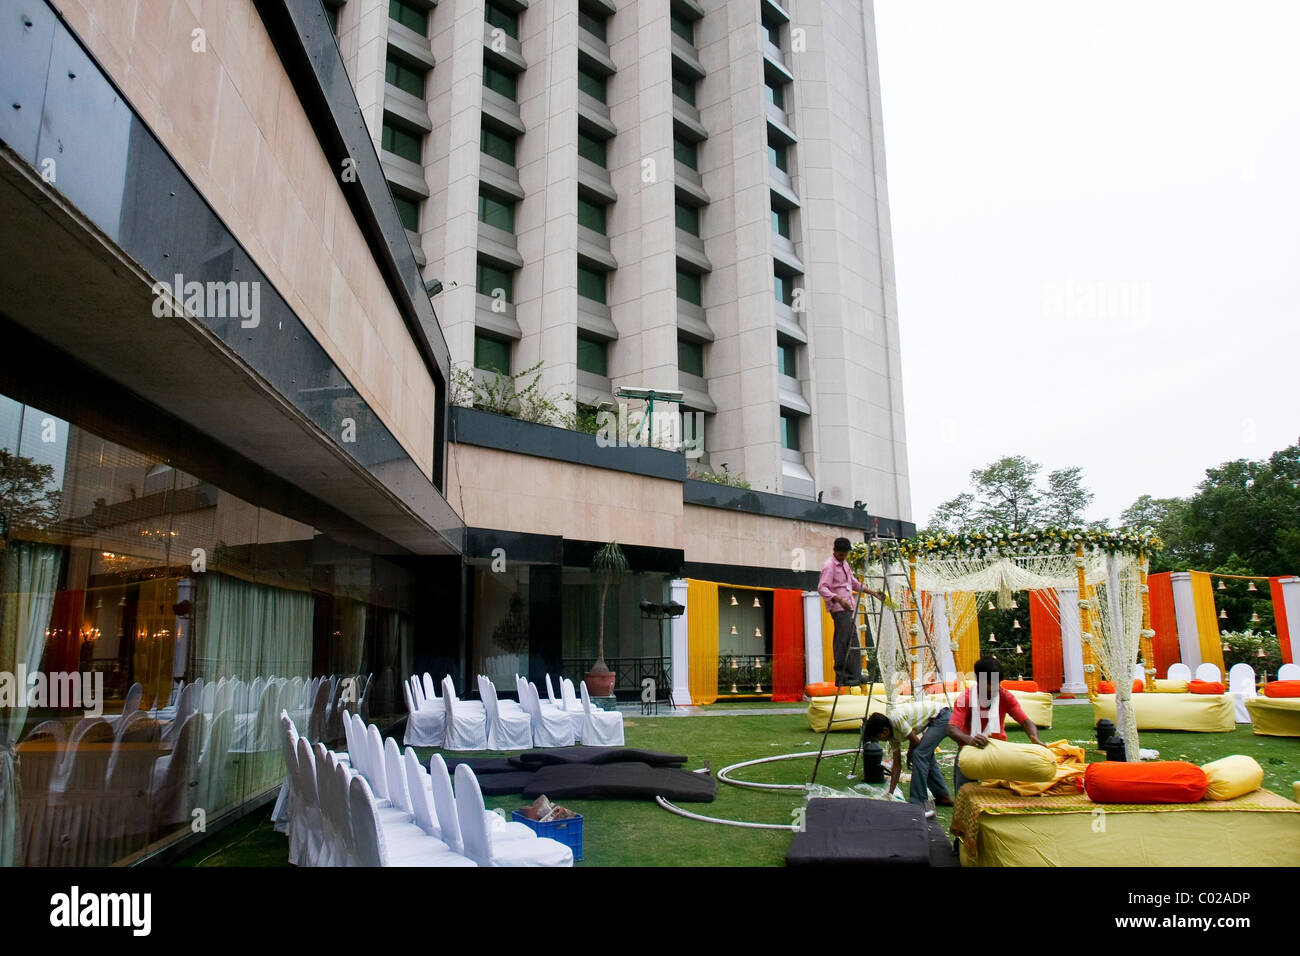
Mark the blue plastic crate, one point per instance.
(568, 832)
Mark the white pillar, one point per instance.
(1189, 641)
(1067, 604)
(942, 636)
(812, 637)
(681, 647)
(1291, 607)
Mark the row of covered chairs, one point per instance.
(496, 723)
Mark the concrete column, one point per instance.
(1071, 642)
(1189, 641)
(812, 637)
(680, 647)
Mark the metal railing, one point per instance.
(629, 672)
(744, 675)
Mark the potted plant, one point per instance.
(608, 563)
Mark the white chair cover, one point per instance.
(425, 723)
(1180, 671)
(311, 831)
(464, 728)
(419, 787)
(550, 694)
(506, 729)
(132, 702)
(1289, 672)
(333, 787)
(429, 688)
(396, 776)
(551, 728)
(376, 772)
(392, 845)
(1209, 672)
(480, 844)
(1241, 685)
(600, 728)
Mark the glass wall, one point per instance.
(631, 640)
(152, 628)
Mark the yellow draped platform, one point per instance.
(1204, 713)
(1038, 707)
(848, 712)
(1000, 828)
(1275, 716)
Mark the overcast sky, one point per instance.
(1096, 225)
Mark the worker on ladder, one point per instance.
(836, 586)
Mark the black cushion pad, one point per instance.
(597, 755)
(625, 781)
(860, 832)
(499, 784)
(483, 765)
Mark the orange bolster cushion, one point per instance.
(1106, 687)
(1206, 687)
(1165, 781)
(824, 689)
(949, 686)
(1282, 688)
(1024, 686)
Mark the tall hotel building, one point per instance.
(234, 476)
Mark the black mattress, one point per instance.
(860, 832)
(482, 766)
(597, 755)
(626, 781)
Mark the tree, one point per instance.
(1167, 517)
(609, 563)
(1006, 493)
(25, 498)
(1066, 499)
(953, 515)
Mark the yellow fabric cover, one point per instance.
(1233, 776)
(1295, 787)
(1037, 705)
(1002, 760)
(1204, 713)
(1171, 686)
(848, 712)
(1275, 716)
(702, 639)
(1207, 620)
(965, 631)
(1071, 762)
(1259, 829)
(828, 645)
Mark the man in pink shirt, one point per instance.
(836, 586)
(981, 712)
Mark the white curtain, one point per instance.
(251, 630)
(31, 575)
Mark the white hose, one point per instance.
(722, 774)
(731, 823)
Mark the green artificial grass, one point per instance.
(635, 833)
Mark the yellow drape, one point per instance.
(966, 633)
(1207, 620)
(702, 639)
(828, 648)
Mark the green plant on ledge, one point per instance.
(510, 395)
(726, 478)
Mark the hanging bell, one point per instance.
(1019, 650)
(734, 631)
(1261, 653)
(734, 602)
(758, 632)
(1223, 615)
(1222, 586)
(992, 606)
(1226, 647)
(1254, 618)
(1014, 605)
(1015, 626)
(1251, 586)
(992, 639)
(757, 603)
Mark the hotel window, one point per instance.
(489, 278)
(775, 94)
(408, 210)
(593, 356)
(403, 77)
(684, 88)
(591, 215)
(499, 81)
(781, 222)
(591, 148)
(409, 15)
(683, 28)
(688, 218)
(591, 284)
(400, 143)
(773, 31)
(503, 19)
(784, 289)
(787, 362)
(491, 355)
(592, 24)
(591, 84)
(497, 146)
(690, 357)
(688, 154)
(779, 156)
(689, 287)
(790, 431)
(496, 210)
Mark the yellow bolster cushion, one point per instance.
(1172, 686)
(1001, 760)
(1231, 777)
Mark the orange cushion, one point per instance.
(1105, 687)
(1025, 686)
(1282, 688)
(1206, 687)
(1165, 781)
(824, 689)
(951, 686)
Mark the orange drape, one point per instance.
(1045, 636)
(1163, 622)
(787, 645)
(1280, 623)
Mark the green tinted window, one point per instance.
(682, 27)
(781, 222)
(690, 357)
(591, 84)
(789, 431)
(591, 148)
(497, 211)
(404, 78)
(408, 210)
(689, 287)
(688, 218)
(786, 362)
(591, 215)
(505, 19)
(773, 31)
(491, 354)
(775, 95)
(592, 24)
(684, 89)
(591, 284)
(779, 157)
(409, 15)
(400, 143)
(688, 154)
(500, 81)
(490, 278)
(593, 356)
(785, 290)
(497, 146)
